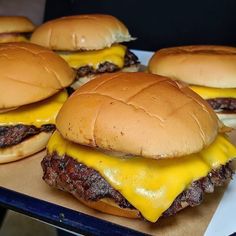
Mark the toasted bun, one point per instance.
(82, 32)
(212, 66)
(132, 68)
(140, 114)
(15, 24)
(30, 73)
(228, 119)
(83, 80)
(110, 207)
(24, 149)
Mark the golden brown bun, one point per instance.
(212, 66)
(15, 24)
(83, 80)
(110, 207)
(82, 32)
(140, 114)
(24, 149)
(30, 73)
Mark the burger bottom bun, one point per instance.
(83, 80)
(229, 119)
(108, 206)
(26, 148)
(133, 68)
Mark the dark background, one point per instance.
(165, 23)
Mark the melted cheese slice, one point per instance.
(208, 93)
(115, 54)
(149, 185)
(37, 114)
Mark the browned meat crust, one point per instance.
(85, 183)
(130, 59)
(224, 104)
(14, 134)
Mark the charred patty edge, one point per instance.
(130, 60)
(11, 135)
(67, 174)
(227, 105)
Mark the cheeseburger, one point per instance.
(89, 43)
(15, 29)
(209, 70)
(32, 79)
(124, 146)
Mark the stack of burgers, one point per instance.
(128, 144)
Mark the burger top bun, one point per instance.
(139, 114)
(211, 66)
(30, 73)
(15, 24)
(82, 32)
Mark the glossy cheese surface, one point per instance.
(37, 114)
(149, 185)
(115, 54)
(208, 93)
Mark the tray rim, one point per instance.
(61, 217)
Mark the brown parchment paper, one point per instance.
(25, 176)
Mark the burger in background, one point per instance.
(32, 79)
(124, 146)
(15, 29)
(89, 43)
(209, 70)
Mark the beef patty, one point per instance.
(65, 173)
(130, 59)
(223, 104)
(14, 134)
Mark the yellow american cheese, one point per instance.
(115, 54)
(149, 185)
(37, 114)
(208, 93)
